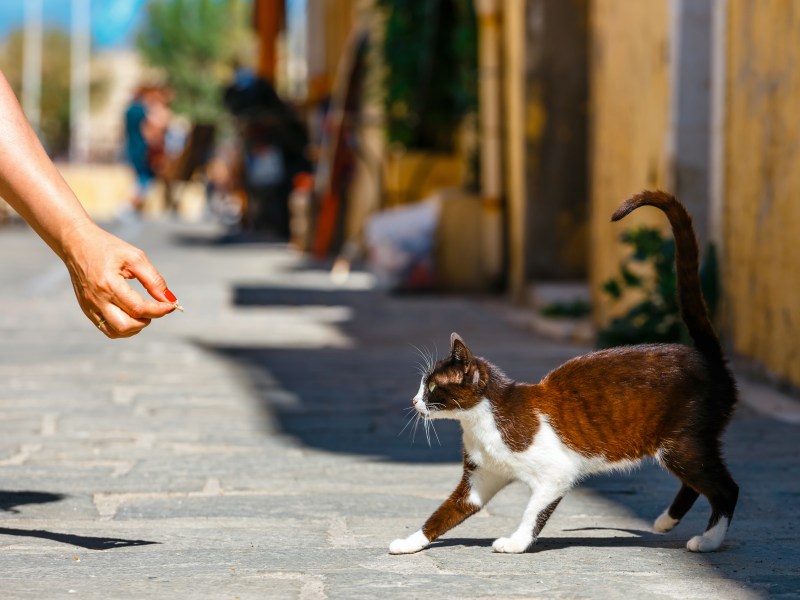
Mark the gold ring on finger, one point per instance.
(100, 323)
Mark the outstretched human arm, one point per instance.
(98, 262)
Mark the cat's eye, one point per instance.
(431, 386)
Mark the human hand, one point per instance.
(98, 264)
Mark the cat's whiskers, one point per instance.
(430, 357)
(426, 366)
(416, 424)
(436, 435)
(428, 422)
(422, 368)
(411, 419)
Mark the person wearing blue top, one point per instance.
(136, 146)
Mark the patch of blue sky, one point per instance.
(113, 22)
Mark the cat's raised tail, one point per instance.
(693, 307)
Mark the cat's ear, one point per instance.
(459, 351)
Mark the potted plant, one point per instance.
(428, 52)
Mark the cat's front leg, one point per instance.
(476, 488)
(540, 506)
(409, 545)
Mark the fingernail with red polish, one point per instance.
(170, 296)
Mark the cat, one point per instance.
(606, 410)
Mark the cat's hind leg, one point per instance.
(706, 472)
(683, 501)
(476, 488)
(722, 493)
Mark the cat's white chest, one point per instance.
(547, 456)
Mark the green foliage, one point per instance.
(650, 270)
(194, 42)
(429, 52)
(571, 309)
(55, 94)
(709, 279)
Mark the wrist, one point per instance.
(73, 237)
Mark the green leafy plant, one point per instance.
(573, 309)
(194, 43)
(650, 270)
(429, 55)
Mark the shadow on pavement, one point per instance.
(88, 542)
(354, 399)
(352, 409)
(216, 235)
(545, 544)
(10, 500)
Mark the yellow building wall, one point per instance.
(103, 190)
(761, 214)
(630, 109)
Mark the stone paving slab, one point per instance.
(252, 448)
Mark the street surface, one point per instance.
(252, 448)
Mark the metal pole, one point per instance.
(79, 81)
(32, 64)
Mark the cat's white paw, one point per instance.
(711, 540)
(413, 543)
(700, 544)
(703, 543)
(664, 523)
(512, 545)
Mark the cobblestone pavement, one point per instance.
(251, 448)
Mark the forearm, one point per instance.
(33, 186)
(98, 262)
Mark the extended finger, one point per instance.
(143, 270)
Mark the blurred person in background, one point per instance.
(156, 125)
(274, 149)
(147, 120)
(98, 262)
(136, 146)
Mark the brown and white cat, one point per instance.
(602, 411)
